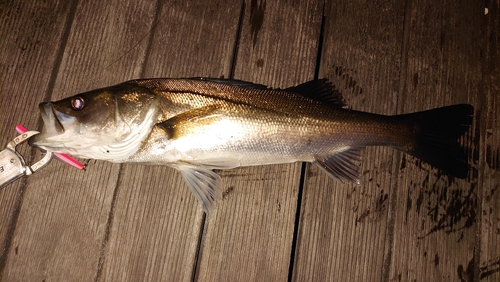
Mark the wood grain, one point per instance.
(116, 222)
(29, 48)
(435, 215)
(249, 236)
(157, 222)
(343, 227)
(63, 220)
(489, 167)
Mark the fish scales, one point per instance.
(199, 124)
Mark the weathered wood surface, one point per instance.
(361, 55)
(131, 223)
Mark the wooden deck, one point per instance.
(406, 222)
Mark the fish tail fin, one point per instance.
(436, 137)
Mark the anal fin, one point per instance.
(342, 166)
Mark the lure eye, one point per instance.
(77, 103)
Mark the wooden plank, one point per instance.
(61, 224)
(63, 220)
(249, 236)
(489, 261)
(157, 222)
(435, 216)
(343, 227)
(28, 54)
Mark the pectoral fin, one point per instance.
(341, 166)
(204, 183)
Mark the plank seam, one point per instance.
(391, 211)
(50, 88)
(149, 46)
(302, 181)
(109, 224)
(199, 249)
(297, 220)
(204, 225)
(237, 41)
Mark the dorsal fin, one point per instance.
(320, 90)
(233, 82)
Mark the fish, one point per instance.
(198, 125)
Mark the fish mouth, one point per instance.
(53, 122)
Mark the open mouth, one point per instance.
(53, 122)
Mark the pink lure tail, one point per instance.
(63, 157)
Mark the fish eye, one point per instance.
(77, 103)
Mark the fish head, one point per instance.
(108, 123)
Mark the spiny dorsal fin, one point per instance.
(342, 166)
(320, 90)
